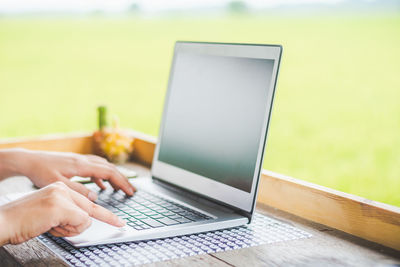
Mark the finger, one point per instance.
(62, 232)
(67, 227)
(71, 229)
(119, 181)
(96, 159)
(77, 229)
(108, 172)
(114, 185)
(96, 211)
(72, 214)
(99, 183)
(127, 186)
(80, 188)
(55, 233)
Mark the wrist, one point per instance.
(13, 162)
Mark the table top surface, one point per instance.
(327, 246)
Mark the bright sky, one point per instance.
(22, 6)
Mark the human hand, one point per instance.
(44, 168)
(55, 208)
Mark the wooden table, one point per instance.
(327, 246)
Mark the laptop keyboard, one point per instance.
(145, 210)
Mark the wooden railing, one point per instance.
(361, 217)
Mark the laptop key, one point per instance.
(152, 222)
(183, 220)
(184, 212)
(168, 221)
(177, 209)
(167, 213)
(160, 209)
(175, 217)
(194, 217)
(140, 217)
(150, 213)
(157, 216)
(123, 208)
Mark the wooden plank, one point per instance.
(78, 143)
(361, 217)
(193, 261)
(31, 253)
(326, 247)
(143, 147)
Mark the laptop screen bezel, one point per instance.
(201, 185)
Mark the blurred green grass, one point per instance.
(336, 116)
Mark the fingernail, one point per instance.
(121, 222)
(130, 190)
(92, 196)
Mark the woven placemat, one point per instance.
(262, 230)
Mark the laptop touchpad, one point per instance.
(98, 231)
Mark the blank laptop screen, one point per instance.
(214, 116)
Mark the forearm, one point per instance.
(11, 161)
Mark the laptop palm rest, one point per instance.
(102, 233)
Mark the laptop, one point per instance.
(209, 153)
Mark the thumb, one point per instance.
(80, 188)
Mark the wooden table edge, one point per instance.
(367, 219)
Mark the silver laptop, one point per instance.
(209, 155)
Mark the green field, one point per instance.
(336, 119)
